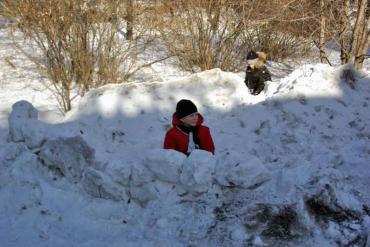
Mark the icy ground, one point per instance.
(291, 166)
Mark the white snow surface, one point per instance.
(99, 175)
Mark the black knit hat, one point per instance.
(252, 55)
(184, 108)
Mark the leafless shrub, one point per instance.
(202, 34)
(78, 44)
(276, 43)
(343, 24)
(205, 34)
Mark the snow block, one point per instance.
(9, 153)
(100, 185)
(119, 171)
(142, 184)
(165, 164)
(195, 222)
(70, 155)
(24, 125)
(246, 174)
(140, 175)
(198, 171)
(35, 133)
(144, 193)
(22, 111)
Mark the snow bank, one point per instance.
(274, 155)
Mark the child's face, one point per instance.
(190, 120)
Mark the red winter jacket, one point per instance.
(178, 140)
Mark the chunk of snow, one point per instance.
(165, 164)
(198, 171)
(24, 125)
(71, 155)
(144, 193)
(246, 173)
(140, 175)
(100, 185)
(119, 171)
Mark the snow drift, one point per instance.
(290, 165)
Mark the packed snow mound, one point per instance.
(215, 90)
(320, 80)
(134, 99)
(282, 158)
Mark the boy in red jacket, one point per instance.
(187, 132)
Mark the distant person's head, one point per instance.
(256, 59)
(252, 58)
(187, 112)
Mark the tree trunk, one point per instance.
(66, 98)
(214, 12)
(365, 44)
(322, 31)
(130, 19)
(345, 55)
(359, 28)
(363, 35)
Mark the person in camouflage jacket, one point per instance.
(256, 73)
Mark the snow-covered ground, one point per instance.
(291, 166)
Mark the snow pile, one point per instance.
(290, 165)
(24, 125)
(74, 159)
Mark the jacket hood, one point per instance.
(176, 120)
(261, 59)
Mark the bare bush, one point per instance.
(344, 24)
(78, 44)
(277, 33)
(275, 42)
(348, 27)
(202, 34)
(205, 34)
